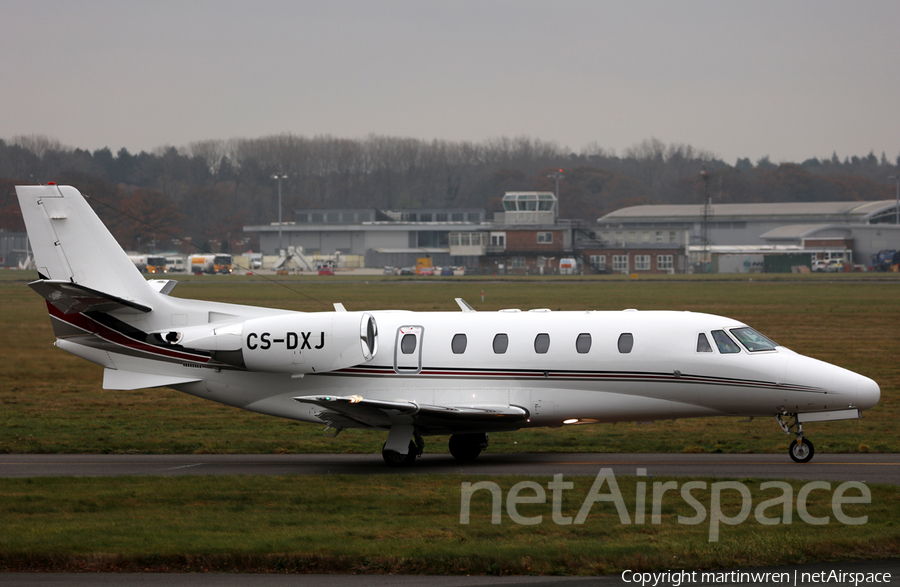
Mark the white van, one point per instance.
(568, 266)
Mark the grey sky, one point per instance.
(740, 79)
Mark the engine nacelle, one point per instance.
(288, 343)
(309, 343)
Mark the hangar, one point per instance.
(850, 231)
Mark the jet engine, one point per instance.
(287, 343)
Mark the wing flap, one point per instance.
(370, 411)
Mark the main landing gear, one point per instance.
(801, 450)
(463, 447)
(467, 447)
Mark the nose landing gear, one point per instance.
(801, 449)
(395, 458)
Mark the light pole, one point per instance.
(897, 178)
(558, 175)
(704, 229)
(279, 177)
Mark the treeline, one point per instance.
(207, 191)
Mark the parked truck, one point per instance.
(424, 266)
(886, 260)
(149, 263)
(211, 264)
(156, 264)
(568, 266)
(140, 261)
(175, 264)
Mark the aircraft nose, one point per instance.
(858, 390)
(867, 392)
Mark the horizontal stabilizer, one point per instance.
(163, 286)
(128, 380)
(72, 298)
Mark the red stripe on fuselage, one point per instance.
(385, 371)
(89, 325)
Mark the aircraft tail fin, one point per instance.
(80, 263)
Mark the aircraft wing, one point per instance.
(71, 298)
(383, 414)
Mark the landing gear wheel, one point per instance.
(801, 450)
(467, 447)
(395, 459)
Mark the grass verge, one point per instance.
(403, 524)
(52, 402)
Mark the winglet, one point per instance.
(163, 286)
(464, 305)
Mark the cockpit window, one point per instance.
(703, 344)
(753, 340)
(725, 344)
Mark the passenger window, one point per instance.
(408, 344)
(583, 343)
(542, 343)
(458, 344)
(626, 342)
(725, 344)
(501, 343)
(703, 344)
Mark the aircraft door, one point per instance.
(408, 350)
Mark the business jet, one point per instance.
(417, 374)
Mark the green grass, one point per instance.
(52, 402)
(399, 523)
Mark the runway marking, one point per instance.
(182, 467)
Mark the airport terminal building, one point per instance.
(526, 238)
(393, 238)
(529, 238)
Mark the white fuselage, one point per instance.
(663, 375)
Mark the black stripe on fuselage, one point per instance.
(569, 375)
